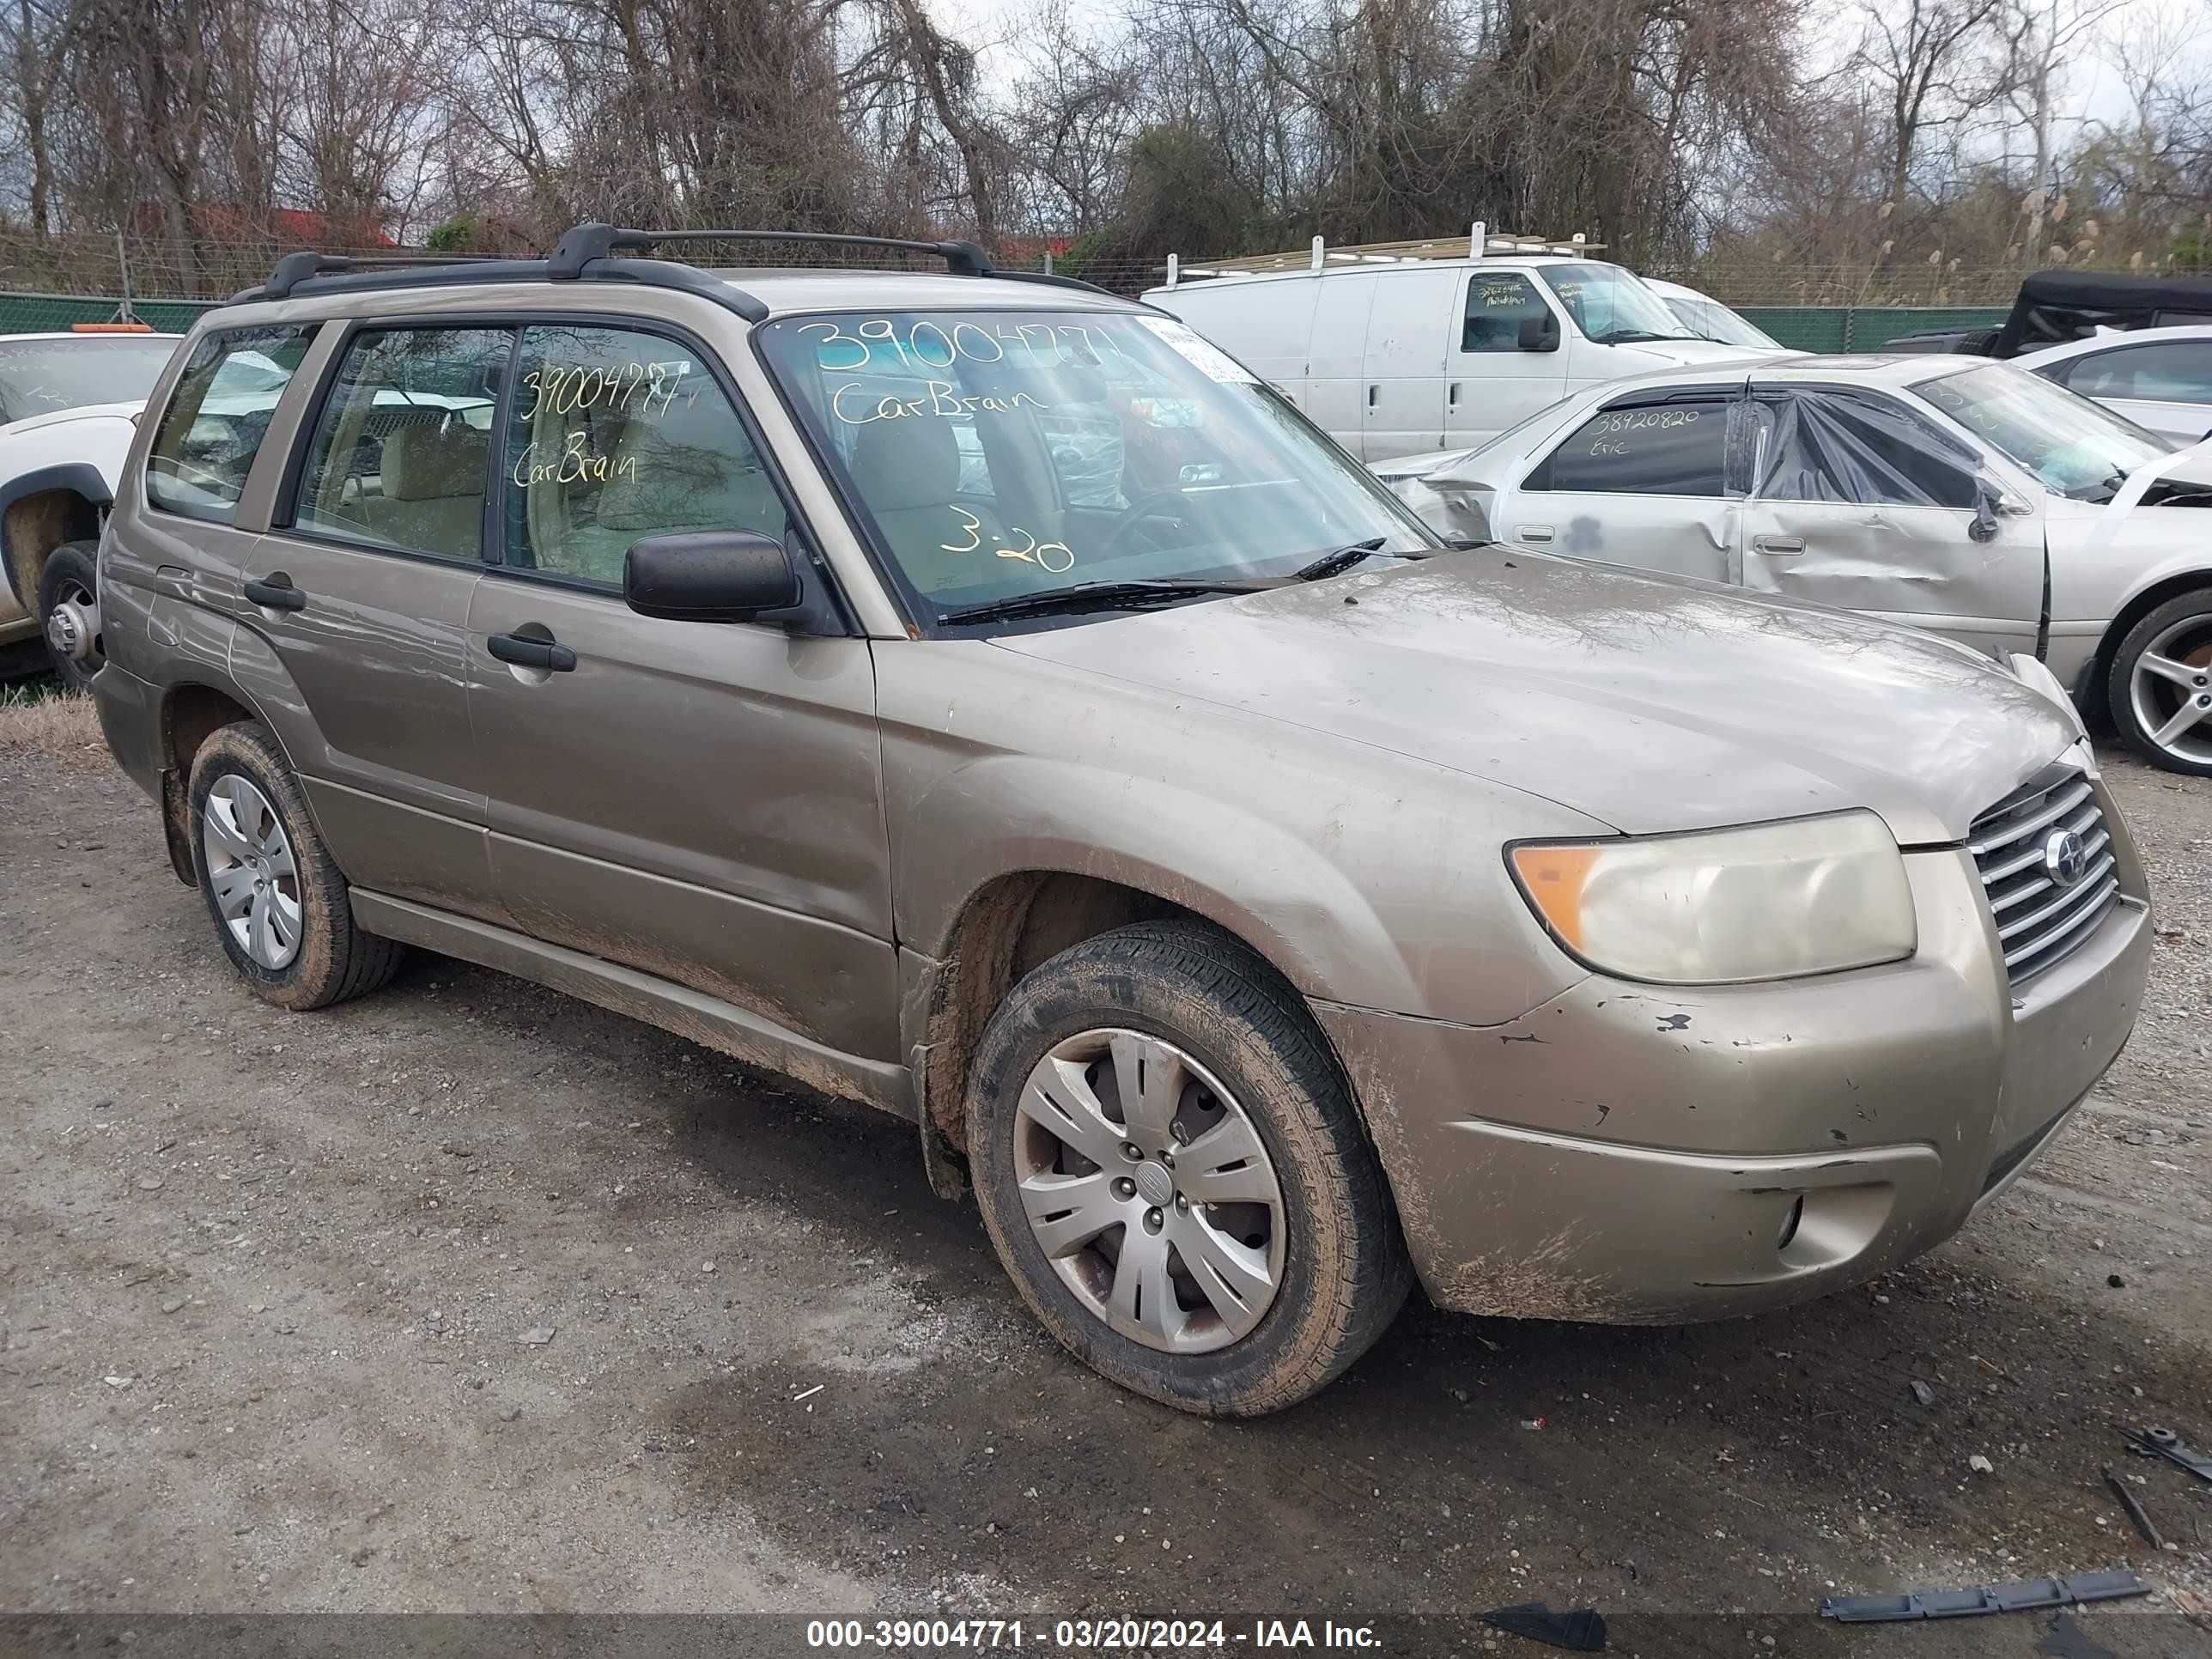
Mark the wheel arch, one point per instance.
(192, 712)
(40, 510)
(2139, 605)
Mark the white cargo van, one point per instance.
(1399, 353)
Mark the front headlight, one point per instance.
(1806, 896)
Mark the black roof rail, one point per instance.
(587, 242)
(294, 268)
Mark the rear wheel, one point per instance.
(2160, 690)
(1171, 1167)
(69, 612)
(278, 902)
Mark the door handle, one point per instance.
(275, 593)
(1534, 532)
(1451, 395)
(524, 652)
(1779, 545)
(1371, 390)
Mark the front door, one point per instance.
(699, 801)
(363, 591)
(1859, 504)
(1491, 381)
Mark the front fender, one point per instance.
(80, 458)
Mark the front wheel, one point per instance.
(2160, 690)
(69, 612)
(1171, 1167)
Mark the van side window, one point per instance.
(403, 447)
(616, 435)
(217, 416)
(1658, 449)
(1498, 303)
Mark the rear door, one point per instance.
(1860, 504)
(698, 801)
(1491, 382)
(1336, 357)
(1406, 338)
(361, 588)
(1643, 482)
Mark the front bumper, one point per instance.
(1633, 1154)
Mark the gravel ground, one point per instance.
(469, 1296)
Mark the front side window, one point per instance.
(1498, 303)
(1656, 449)
(997, 454)
(1828, 446)
(402, 451)
(1612, 305)
(615, 435)
(2180, 373)
(2076, 447)
(217, 418)
(44, 377)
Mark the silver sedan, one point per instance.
(1954, 494)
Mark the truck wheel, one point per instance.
(1170, 1166)
(279, 904)
(2160, 689)
(69, 612)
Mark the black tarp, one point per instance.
(2056, 306)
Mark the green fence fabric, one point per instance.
(1862, 328)
(53, 313)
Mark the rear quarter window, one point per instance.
(218, 415)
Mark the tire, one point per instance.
(2177, 635)
(1186, 995)
(327, 957)
(70, 576)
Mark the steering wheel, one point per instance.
(1144, 509)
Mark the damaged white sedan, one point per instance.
(1953, 494)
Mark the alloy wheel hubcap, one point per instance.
(2172, 689)
(1150, 1191)
(252, 871)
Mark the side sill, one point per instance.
(705, 1020)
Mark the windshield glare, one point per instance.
(2076, 447)
(1610, 305)
(1709, 319)
(1004, 453)
(44, 377)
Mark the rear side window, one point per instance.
(618, 435)
(2180, 373)
(403, 447)
(1498, 303)
(1659, 449)
(217, 418)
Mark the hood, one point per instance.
(63, 416)
(1682, 354)
(1647, 704)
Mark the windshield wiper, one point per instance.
(1094, 596)
(1623, 335)
(1338, 561)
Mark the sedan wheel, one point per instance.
(1149, 1190)
(2163, 709)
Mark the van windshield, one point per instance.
(1612, 305)
(1001, 454)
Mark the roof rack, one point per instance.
(1321, 259)
(592, 252)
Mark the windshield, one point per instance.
(43, 377)
(1000, 455)
(1709, 319)
(1610, 305)
(2077, 447)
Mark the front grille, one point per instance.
(2040, 923)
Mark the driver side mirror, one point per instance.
(709, 575)
(1989, 500)
(1539, 333)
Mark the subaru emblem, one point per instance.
(2064, 858)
